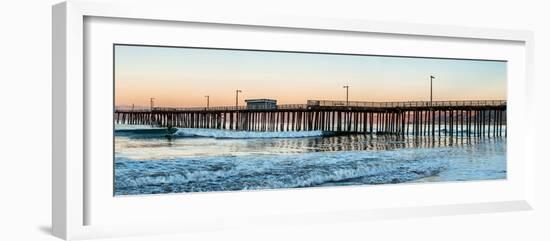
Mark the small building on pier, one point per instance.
(263, 104)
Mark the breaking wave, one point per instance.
(216, 133)
(229, 173)
(189, 132)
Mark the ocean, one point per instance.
(151, 160)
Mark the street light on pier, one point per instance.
(207, 101)
(431, 104)
(152, 100)
(347, 94)
(237, 98)
(431, 89)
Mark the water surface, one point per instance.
(149, 161)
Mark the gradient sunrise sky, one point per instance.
(183, 76)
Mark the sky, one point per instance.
(182, 77)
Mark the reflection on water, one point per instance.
(162, 147)
(359, 142)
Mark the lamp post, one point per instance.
(152, 101)
(207, 101)
(347, 94)
(431, 104)
(237, 98)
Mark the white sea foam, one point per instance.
(215, 133)
(271, 171)
(135, 127)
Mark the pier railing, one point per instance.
(215, 108)
(326, 103)
(335, 103)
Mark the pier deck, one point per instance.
(419, 118)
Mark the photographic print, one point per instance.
(190, 119)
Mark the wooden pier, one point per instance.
(485, 118)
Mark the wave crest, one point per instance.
(269, 172)
(216, 133)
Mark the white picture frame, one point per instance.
(71, 190)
